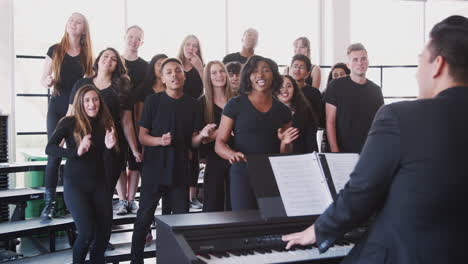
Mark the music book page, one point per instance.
(301, 184)
(341, 165)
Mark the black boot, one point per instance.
(49, 198)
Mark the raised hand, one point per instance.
(306, 237)
(84, 145)
(166, 139)
(289, 135)
(237, 157)
(208, 130)
(110, 139)
(196, 62)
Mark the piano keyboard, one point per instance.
(275, 256)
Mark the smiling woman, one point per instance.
(260, 123)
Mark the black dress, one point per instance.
(255, 132)
(216, 179)
(87, 187)
(70, 71)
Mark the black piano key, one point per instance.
(236, 253)
(217, 254)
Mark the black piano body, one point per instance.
(242, 235)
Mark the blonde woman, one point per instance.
(65, 63)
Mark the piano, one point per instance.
(236, 237)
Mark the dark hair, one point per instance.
(449, 39)
(300, 104)
(303, 58)
(233, 67)
(119, 79)
(339, 65)
(249, 67)
(166, 61)
(150, 77)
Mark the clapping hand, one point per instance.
(110, 140)
(208, 130)
(287, 136)
(84, 145)
(166, 139)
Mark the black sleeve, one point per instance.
(286, 115)
(231, 109)
(368, 184)
(75, 88)
(331, 94)
(50, 51)
(146, 120)
(64, 129)
(111, 166)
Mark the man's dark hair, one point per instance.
(249, 67)
(233, 67)
(449, 39)
(303, 58)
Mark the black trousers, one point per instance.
(150, 195)
(58, 106)
(92, 213)
(242, 194)
(216, 189)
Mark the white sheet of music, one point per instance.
(341, 165)
(301, 184)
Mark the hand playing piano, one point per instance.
(306, 237)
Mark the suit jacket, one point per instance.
(413, 175)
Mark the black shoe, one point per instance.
(49, 208)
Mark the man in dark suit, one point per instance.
(413, 170)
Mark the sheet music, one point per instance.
(341, 165)
(301, 184)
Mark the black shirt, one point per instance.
(307, 140)
(314, 97)
(136, 71)
(169, 165)
(356, 106)
(208, 149)
(115, 104)
(193, 85)
(70, 72)
(91, 171)
(235, 57)
(255, 132)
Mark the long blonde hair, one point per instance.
(83, 124)
(209, 91)
(86, 54)
(181, 55)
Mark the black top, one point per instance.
(208, 149)
(255, 132)
(356, 106)
(169, 165)
(314, 97)
(235, 57)
(193, 85)
(136, 71)
(110, 97)
(94, 168)
(307, 140)
(70, 72)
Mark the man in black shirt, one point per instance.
(249, 42)
(351, 104)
